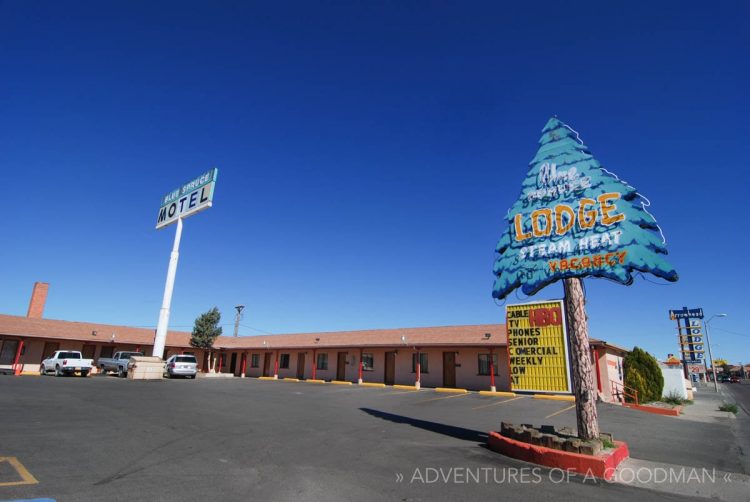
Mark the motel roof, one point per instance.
(85, 331)
(439, 336)
(410, 337)
(421, 337)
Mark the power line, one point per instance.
(730, 332)
(221, 324)
(257, 329)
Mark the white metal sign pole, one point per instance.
(161, 328)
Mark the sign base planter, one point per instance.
(145, 368)
(528, 446)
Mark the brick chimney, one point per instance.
(38, 299)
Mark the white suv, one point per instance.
(181, 365)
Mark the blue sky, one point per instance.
(367, 153)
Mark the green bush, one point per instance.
(635, 381)
(730, 407)
(643, 374)
(675, 399)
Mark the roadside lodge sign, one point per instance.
(575, 219)
(689, 335)
(192, 197)
(538, 347)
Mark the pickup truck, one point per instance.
(118, 363)
(65, 362)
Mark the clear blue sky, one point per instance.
(367, 153)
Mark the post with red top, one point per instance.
(243, 367)
(314, 365)
(221, 360)
(492, 371)
(360, 366)
(16, 366)
(598, 374)
(276, 367)
(418, 383)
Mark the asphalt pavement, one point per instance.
(103, 438)
(739, 393)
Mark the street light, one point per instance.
(711, 357)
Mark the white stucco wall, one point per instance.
(674, 381)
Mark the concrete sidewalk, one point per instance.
(689, 480)
(682, 480)
(705, 407)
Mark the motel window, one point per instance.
(484, 363)
(255, 360)
(284, 361)
(8, 351)
(422, 363)
(367, 362)
(49, 349)
(322, 362)
(88, 351)
(107, 351)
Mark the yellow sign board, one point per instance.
(538, 347)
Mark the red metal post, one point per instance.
(244, 364)
(276, 366)
(16, 366)
(221, 360)
(598, 375)
(314, 365)
(492, 371)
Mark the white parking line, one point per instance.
(499, 402)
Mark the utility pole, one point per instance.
(708, 343)
(237, 318)
(583, 383)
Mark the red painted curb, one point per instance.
(670, 412)
(602, 466)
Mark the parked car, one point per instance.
(734, 379)
(65, 362)
(181, 365)
(118, 363)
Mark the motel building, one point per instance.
(473, 357)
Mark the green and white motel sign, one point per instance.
(187, 200)
(192, 197)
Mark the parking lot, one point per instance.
(104, 438)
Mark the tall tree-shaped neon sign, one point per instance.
(576, 219)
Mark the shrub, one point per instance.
(674, 398)
(642, 373)
(730, 407)
(635, 381)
